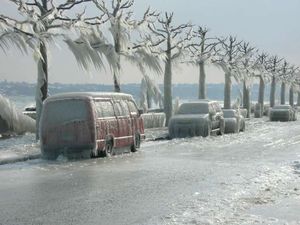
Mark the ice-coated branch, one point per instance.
(69, 4)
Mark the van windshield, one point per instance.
(64, 111)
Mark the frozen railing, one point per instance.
(12, 121)
(154, 120)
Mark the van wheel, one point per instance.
(50, 156)
(109, 149)
(136, 143)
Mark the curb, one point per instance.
(20, 158)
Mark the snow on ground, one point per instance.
(255, 176)
(246, 178)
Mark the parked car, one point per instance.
(283, 113)
(234, 121)
(199, 118)
(30, 111)
(96, 124)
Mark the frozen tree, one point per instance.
(274, 69)
(288, 77)
(150, 92)
(263, 77)
(297, 86)
(284, 76)
(122, 27)
(40, 23)
(292, 81)
(247, 67)
(172, 40)
(11, 37)
(201, 53)
(227, 59)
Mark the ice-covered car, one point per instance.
(283, 113)
(30, 111)
(199, 118)
(90, 123)
(234, 121)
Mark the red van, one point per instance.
(97, 124)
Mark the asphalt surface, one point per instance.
(246, 178)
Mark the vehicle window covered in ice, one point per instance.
(132, 107)
(118, 109)
(98, 109)
(228, 113)
(193, 108)
(125, 108)
(63, 111)
(107, 109)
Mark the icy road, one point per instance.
(249, 178)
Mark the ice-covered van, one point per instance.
(97, 124)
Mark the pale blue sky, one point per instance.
(270, 25)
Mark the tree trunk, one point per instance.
(227, 91)
(246, 98)
(168, 89)
(117, 87)
(298, 99)
(117, 42)
(244, 94)
(149, 105)
(42, 85)
(282, 94)
(261, 94)
(272, 92)
(291, 96)
(202, 83)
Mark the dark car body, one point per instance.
(199, 118)
(282, 113)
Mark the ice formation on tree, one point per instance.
(12, 121)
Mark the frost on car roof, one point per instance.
(282, 107)
(229, 113)
(85, 95)
(194, 108)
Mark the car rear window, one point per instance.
(64, 111)
(193, 108)
(229, 113)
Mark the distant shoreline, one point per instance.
(181, 91)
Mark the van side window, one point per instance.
(107, 109)
(98, 109)
(104, 109)
(125, 108)
(118, 109)
(132, 107)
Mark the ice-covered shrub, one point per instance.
(154, 120)
(13, 121)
